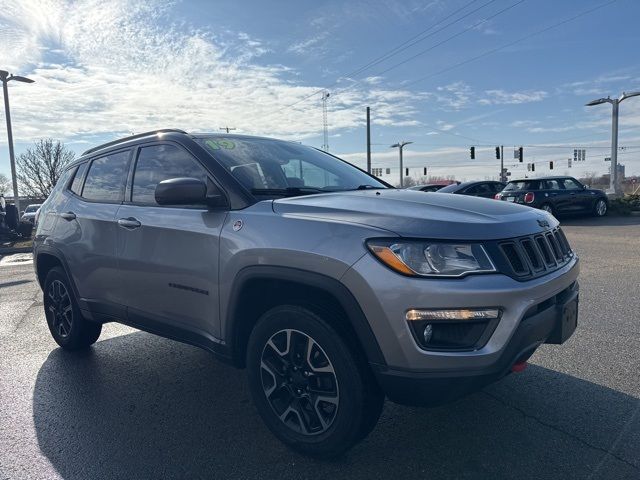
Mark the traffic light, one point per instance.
(550, 165)
(520, 154)
(406, 172)
(472, 152)
(425, 171)
(498, 153)
(533, 167)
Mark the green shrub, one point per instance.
(625, 205)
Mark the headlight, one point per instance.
(438, 259)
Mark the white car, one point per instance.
(29, 213)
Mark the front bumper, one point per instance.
(529, 318)
(544, 323)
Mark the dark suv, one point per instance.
(556, 195)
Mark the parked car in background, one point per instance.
(556, 195)
(29, 213)
(486, 189)
(429, 187)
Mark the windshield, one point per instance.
(521, 185)
(278, 168)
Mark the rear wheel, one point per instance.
(68, 327)
(314, 393)
(600, 208)
(547, 207)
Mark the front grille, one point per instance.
(536, 255)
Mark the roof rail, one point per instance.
(132, 137)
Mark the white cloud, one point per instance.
(454, 96)
(123, 66)
(312, 43)
(502, 97)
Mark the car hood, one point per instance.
(419, 214)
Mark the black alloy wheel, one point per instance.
(299, 382)
(66, 323)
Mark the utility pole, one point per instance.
(227, 128)
(368, 140)
(502, 177)
(325, 123)
(6, 78)
(400, 146)
(614, 181)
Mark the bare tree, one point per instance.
(589, 177)
(39, 168)
(5, 184)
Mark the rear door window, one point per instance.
(552, 185)
(107, 178)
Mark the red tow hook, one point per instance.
(518, 367)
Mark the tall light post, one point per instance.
(6, 78)
(614, 183)
(400, 146)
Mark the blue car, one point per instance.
(556, 195)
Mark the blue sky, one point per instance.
(106, 69)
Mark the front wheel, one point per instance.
(600, 208)
(68, 327)
(314, 393)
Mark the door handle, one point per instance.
(129, 223)
(68, 216)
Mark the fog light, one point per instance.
(462, 314)
(428, 333)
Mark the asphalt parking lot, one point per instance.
(137, 406)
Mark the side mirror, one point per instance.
(181, 191)
(584, 187)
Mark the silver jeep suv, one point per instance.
(329, 286)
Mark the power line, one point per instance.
(472, 27)
(442, 42)
(412, 41)
(509, 44)
(389, 54)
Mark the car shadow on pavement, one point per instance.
(139, 406)
(608, 221)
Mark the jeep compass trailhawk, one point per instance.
(330, 287)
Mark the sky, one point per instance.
(444, 74)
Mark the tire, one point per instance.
(320, 403)
(600, 208)
(547, 207)
(68, 327)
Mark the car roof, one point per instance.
(550, 177)
(132, 140)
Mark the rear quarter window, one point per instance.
(76, 184)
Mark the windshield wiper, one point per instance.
(369, 187)
(289, 191)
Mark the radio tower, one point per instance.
(325, 123)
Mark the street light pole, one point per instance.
(6, 78)
(400, 146)
(614, 180)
